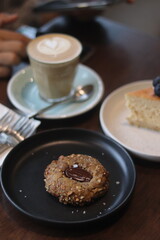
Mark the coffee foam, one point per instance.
(53, 46)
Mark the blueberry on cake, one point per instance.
(76, 179)
(144, 106)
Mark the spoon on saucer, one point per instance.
(79, 94)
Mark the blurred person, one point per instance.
(12, 45)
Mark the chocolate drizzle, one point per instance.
(77, 173)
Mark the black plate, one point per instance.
(23, 168)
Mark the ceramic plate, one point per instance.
(113, 113)
(23, 93)
(22, 177)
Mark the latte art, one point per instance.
(53, 46)
(54, 58)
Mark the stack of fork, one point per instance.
(14, 128)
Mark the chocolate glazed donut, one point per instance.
(76, 179)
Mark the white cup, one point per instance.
(54, 59)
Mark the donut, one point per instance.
(76, 179)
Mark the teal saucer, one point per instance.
(23, 94)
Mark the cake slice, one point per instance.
(144, 108)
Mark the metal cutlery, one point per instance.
(14, 128)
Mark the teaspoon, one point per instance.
(79, 94)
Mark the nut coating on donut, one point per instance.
(76, 179)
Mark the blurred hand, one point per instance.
(12, 45)
(6, 18)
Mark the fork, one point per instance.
(7, 142)
(4, 147)
(14, 129)
(8, 137)
(20, 128)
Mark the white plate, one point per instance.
(141, 142)
(23, 93)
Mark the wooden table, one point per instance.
(121, 55)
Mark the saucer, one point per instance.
(23, 94)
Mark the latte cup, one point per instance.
(54, 59)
